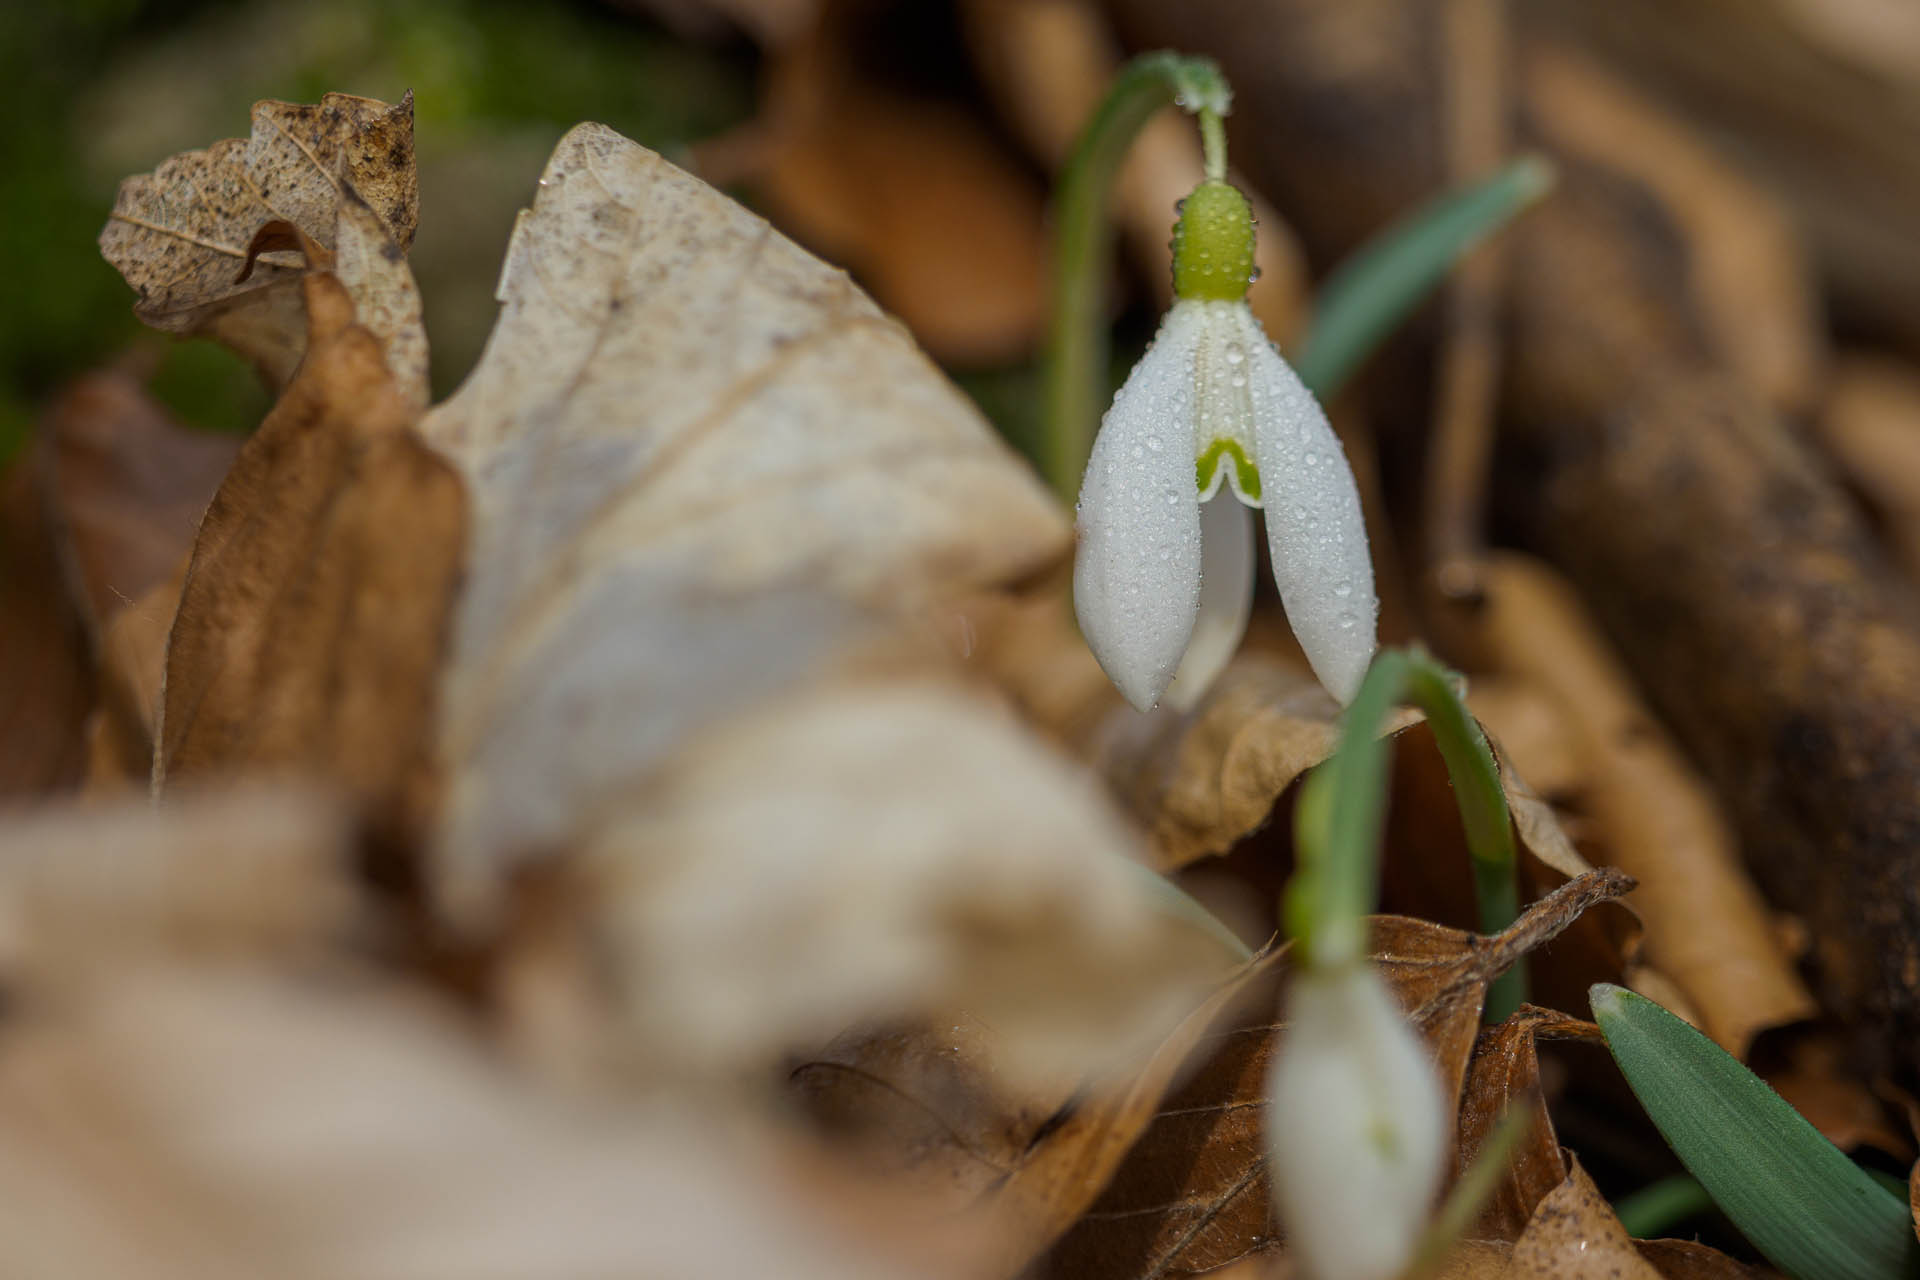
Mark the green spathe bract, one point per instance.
(1814, 1213)
(1213, 245)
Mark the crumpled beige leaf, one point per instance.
(341, 171)
(883, 849)
(253, 870)
(679, 407)
(319, 1126)
(712, 484)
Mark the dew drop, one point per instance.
(1235, 353)
(1343, 589)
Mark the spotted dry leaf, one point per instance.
(679, 407)
(181, 235)
(1574, 1235)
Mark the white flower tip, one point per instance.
(1341, 663)
(1356, 1128)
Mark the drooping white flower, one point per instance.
(1356, 1127)
(1163, 576)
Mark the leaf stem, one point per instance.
(1076, 363)
(1342, 810)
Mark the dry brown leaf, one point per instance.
(1201, 783)
(1691, 1260)
(1752, 277)
(1532, 731)
(1574, 1235)
(678, 408)
(924, 1107)
(1816, 1073)
(913, 195)
(1672, 1259)
(1505, 1072)
(127, 487)
(1192, 1193)
(342, 172)
(1707, 928)
(46, 687)
(1870, 425)
(918, 1105)
(132, 667)
(314, 612)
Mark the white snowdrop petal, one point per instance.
(1136, 570)
(1356, 1128)
(1315, 532)
(1226, 598)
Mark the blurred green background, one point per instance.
(95, 90)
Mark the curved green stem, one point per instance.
(1342, 810)
(1213, 144)
(1076, 361)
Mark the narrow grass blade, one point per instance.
(1654, 1211)
(1813, 1212)
(1387, 277)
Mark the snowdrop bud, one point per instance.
(1356, 1127)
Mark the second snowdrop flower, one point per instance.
(1210, 423)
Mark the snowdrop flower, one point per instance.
(1356, 1127)
(1210, 423)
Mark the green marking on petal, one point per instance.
(1246, 475)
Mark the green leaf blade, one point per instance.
(1814, 1213)
(1373, 290)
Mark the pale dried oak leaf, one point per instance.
(680, 408)
(181, 235)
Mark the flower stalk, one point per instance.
(1076, 364)
(1342, 810)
